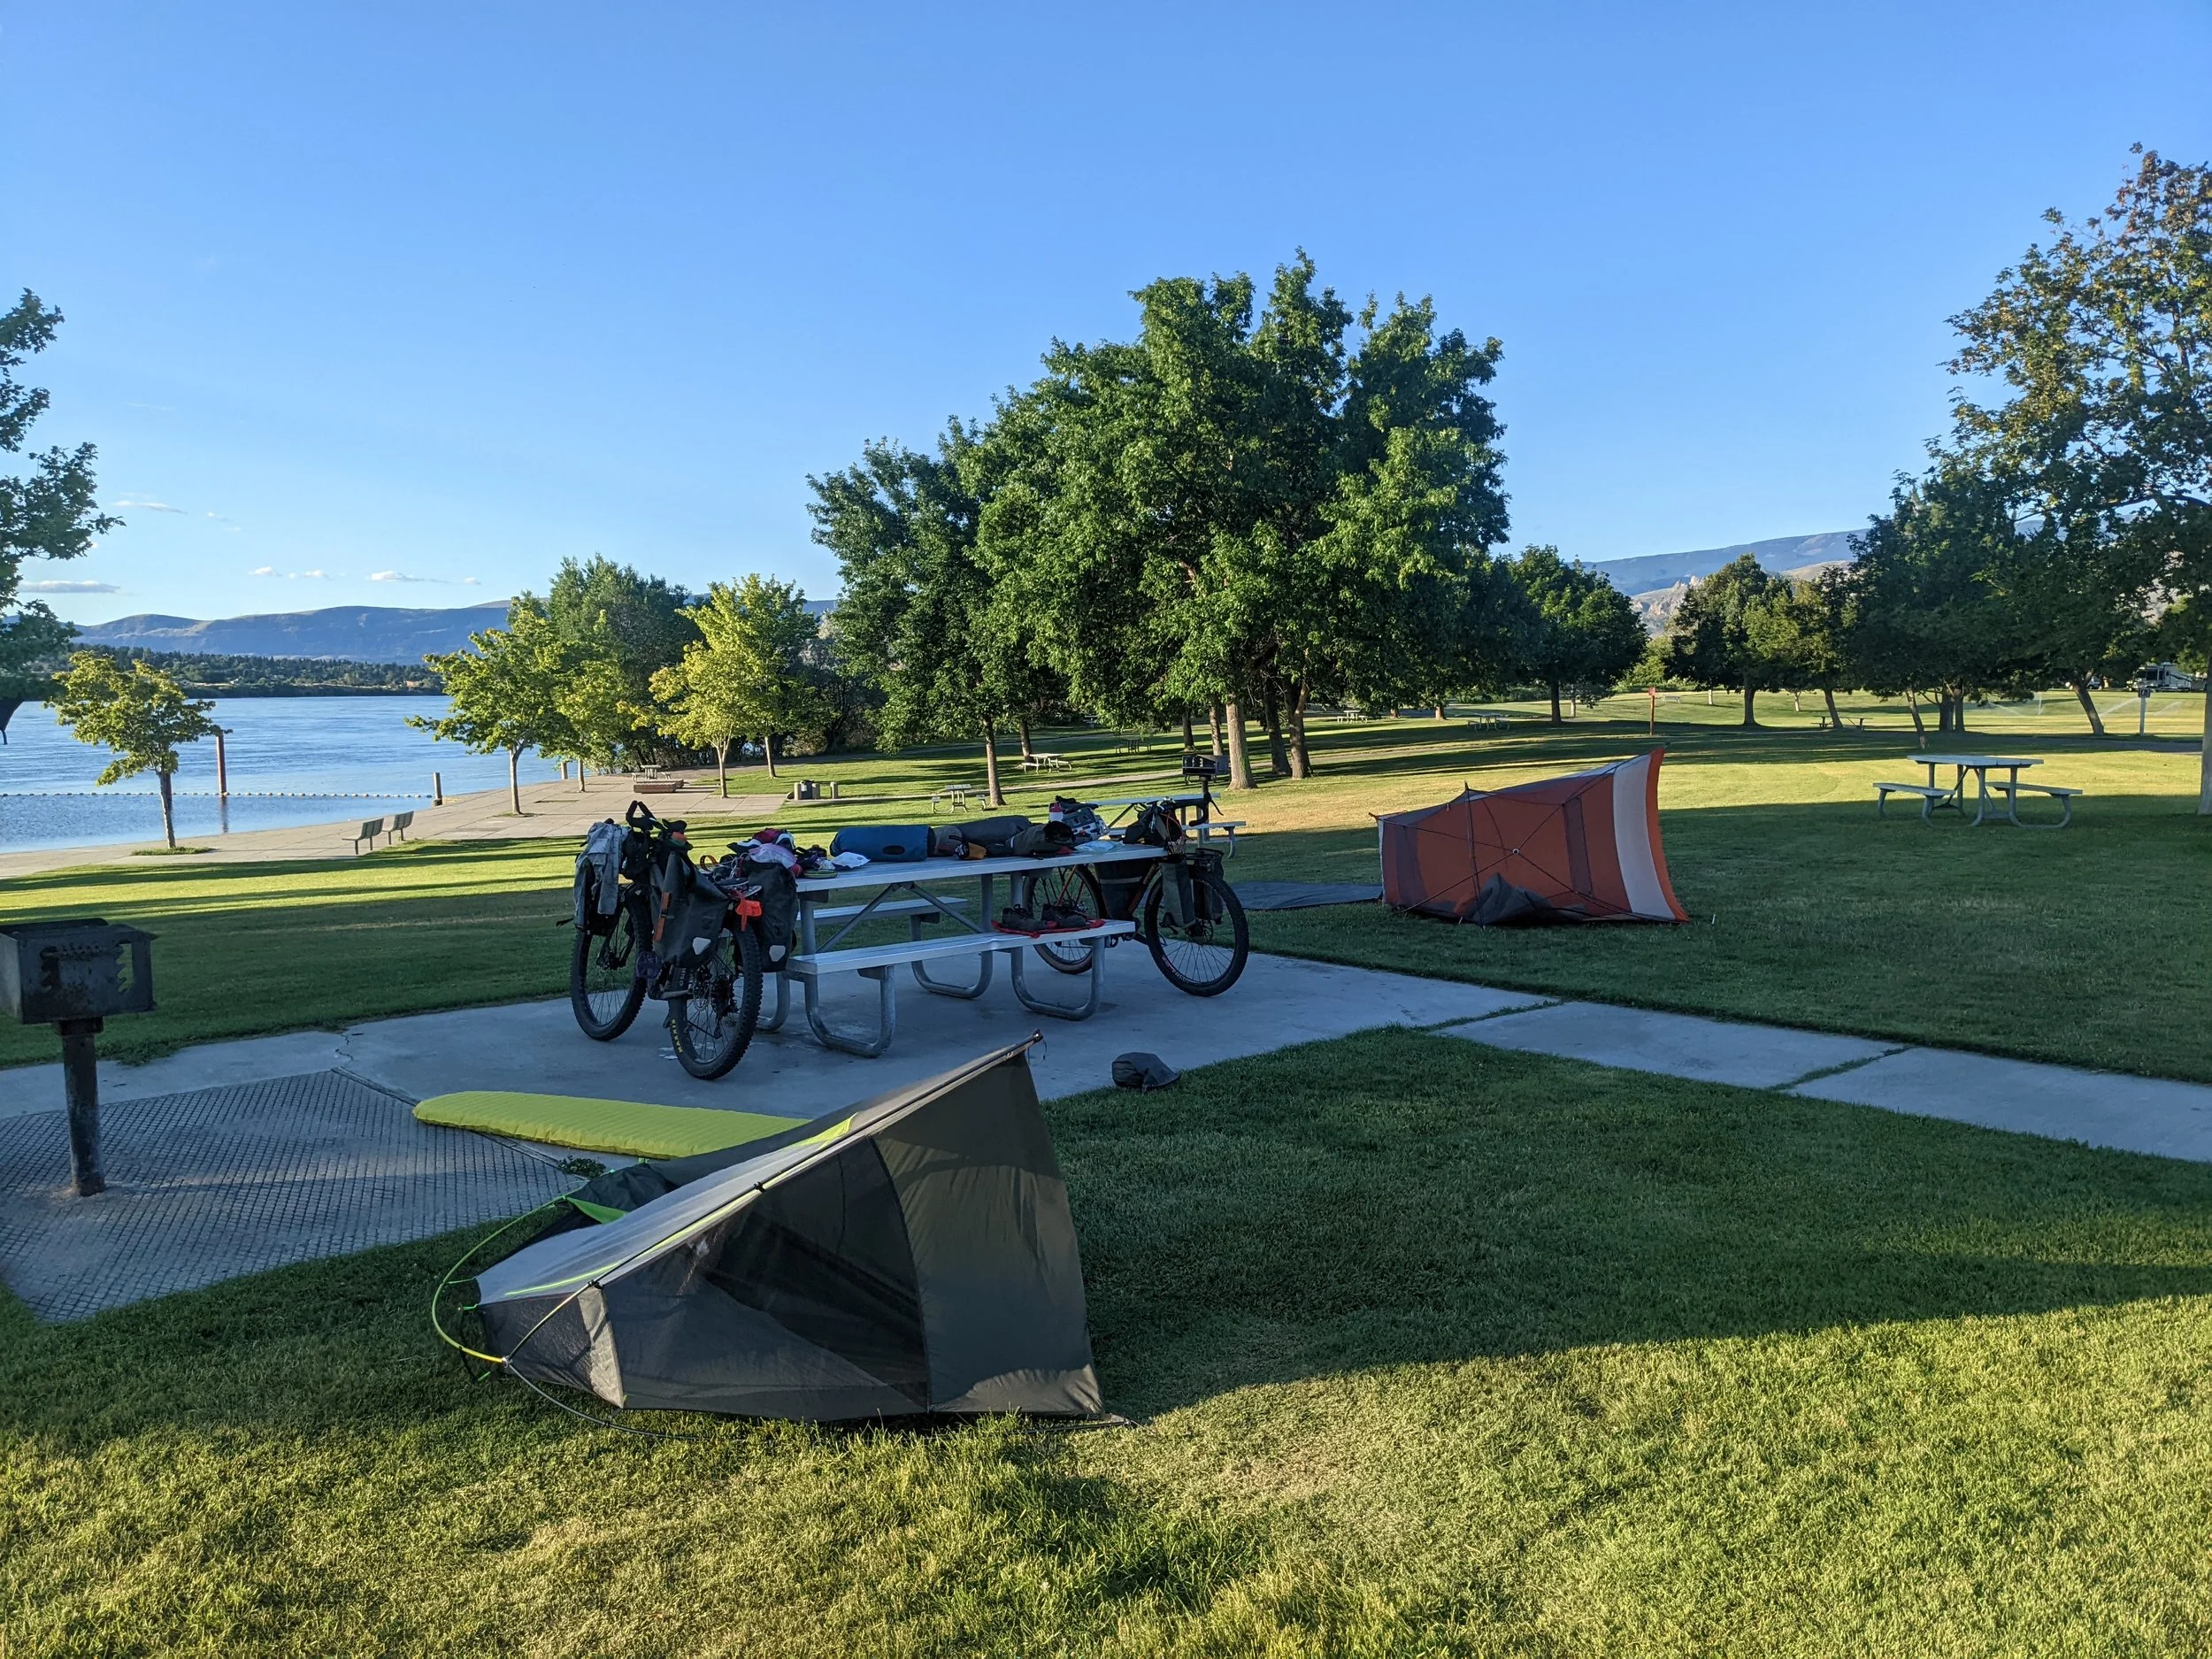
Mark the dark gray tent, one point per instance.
(913, 1254)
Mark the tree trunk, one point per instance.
(1556, 718)
(990, 764)
(2089, 707)
(1835, 720)
(514, 780)
(168, 813)
(1300, 757)
(722, 767)
(1213, 718)
(1277, 756)
(768, 752)
(1750, 701)
(1190, 738)
(2204, 766)
(1918, 724)
(1022, 726)
(1958, 716)
(1239, 760)
(1438, 710)
(579, 776)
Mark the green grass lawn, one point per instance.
(1431, 1350)
(2091, 945)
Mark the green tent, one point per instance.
(914, 1254)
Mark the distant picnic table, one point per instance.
(1937, 797)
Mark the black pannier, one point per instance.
(1121, 885)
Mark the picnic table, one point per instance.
(1044, 763)
(906, 892)
(1937, 797)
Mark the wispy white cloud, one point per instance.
(292, 576)
(265, 569)
(146, 506)
(468, 581)
(396, 576)
(71, 588)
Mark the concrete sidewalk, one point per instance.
(241, 1155)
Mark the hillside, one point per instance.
(1660, 571)
(358, 634)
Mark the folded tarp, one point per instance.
(600, 1125)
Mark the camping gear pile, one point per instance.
(912, 1255)
(1583, 847)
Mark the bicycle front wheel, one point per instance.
(712, 1022)
(1203, 952)
(1070, 887)
(604, 989)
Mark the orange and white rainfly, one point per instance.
(1584, 848)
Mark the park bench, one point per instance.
(2060, 793)
(398, 824)
(657, 786)
(1930, 797)
(951, 794)
(1485, 720)
(371, 828)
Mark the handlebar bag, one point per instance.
(884, 843)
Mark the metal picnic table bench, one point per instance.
(905, 893)
(1935, 797)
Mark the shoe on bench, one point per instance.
(1014, 919)
(1066, 919)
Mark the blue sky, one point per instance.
(445, 293)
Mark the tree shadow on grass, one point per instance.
(1396, 1198)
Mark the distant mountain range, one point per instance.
(352, 634)
(388, 634)
(1657, 582)
(1783, 553)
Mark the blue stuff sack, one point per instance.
(884, 843)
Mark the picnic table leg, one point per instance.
(774, 1021)
(887, 1017)
(1061, 1011)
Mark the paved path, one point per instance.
(549, 809)
(210, 1188)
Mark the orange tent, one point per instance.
(1584, 848)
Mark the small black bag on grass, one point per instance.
(1146, 1072)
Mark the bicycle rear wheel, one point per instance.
(604, 989)
(712, 1022)
(1204, 952)
(1070, 887)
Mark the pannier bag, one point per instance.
(884, 843)
(1120, 884)
(1041, 841)
(599, 870)
(995, 835)
(778, 909)
(688, 911)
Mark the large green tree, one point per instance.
(1927, 603)
(632, 623)
(747, 674)
(2102, 341)
(1244, 508)
(1580, 629)
(918, 617)
(50, 513)
(517, 687)
(1721, 637)
(138, 713)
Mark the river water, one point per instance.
(292, 760)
